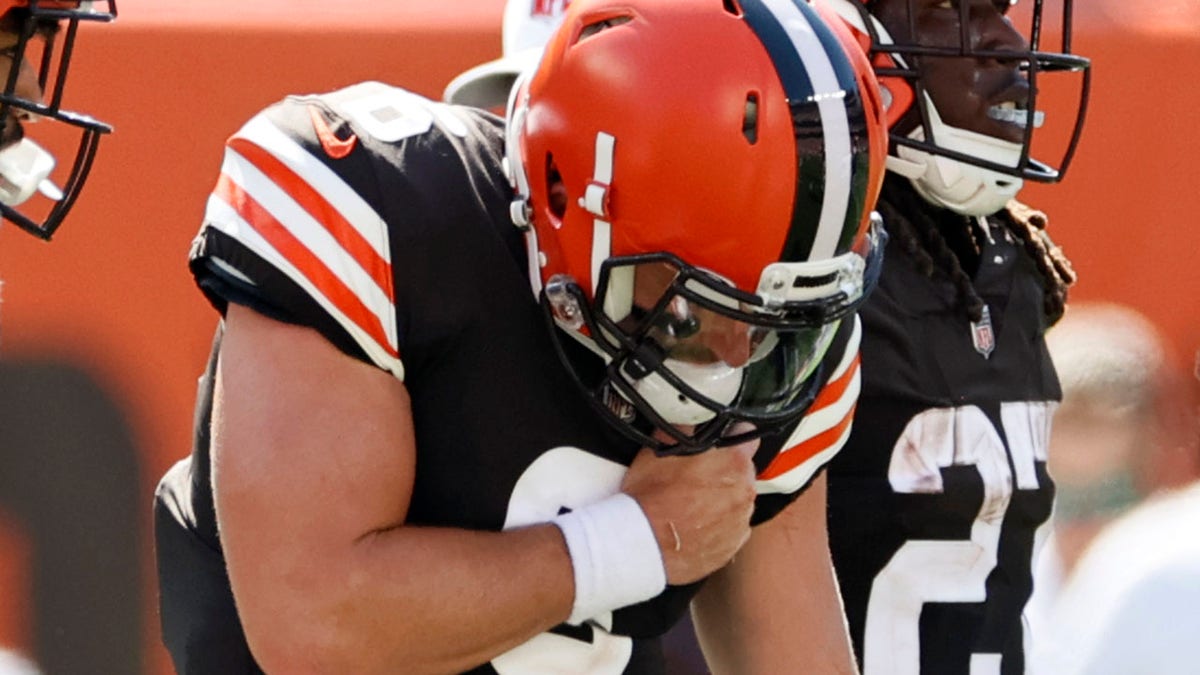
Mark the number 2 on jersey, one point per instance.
(948, 571)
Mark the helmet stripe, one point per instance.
(597, 204)
(817, 80)
(776, 23)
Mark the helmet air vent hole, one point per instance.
(598, 26)
(750, 119)
(814, 282)
(732, 7)
(556, 191)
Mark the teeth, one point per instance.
(1008, 112)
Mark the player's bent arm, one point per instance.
(776, 608)
(313, 468)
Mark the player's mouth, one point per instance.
(1017, 114)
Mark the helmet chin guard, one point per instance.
(718, 382)
(963, 187)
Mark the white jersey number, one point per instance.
(924, 571)
(565, 478)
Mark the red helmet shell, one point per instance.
(706, 163)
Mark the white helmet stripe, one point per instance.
(595, 201)
(808, 50)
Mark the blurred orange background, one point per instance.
(112, 300)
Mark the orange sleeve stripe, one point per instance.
(797, 455)
(349, 238)
(834, 391)
(303, 259)
(793, 457)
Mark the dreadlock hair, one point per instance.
(941, 241)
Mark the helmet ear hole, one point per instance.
(555, 190)
(750, 118)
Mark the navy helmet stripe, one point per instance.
(780, 47)
(817, 80)
(842, 68)
(857, 120)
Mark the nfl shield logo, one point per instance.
(618, 405)
(982, 335)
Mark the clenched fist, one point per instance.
(699, 506)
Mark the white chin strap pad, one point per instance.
(24, 170)
(960, 187)
(719, 382)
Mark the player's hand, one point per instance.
(699, 506)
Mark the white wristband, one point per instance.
(615, 556)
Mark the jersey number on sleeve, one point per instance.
(925, 571)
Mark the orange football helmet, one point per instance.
(697, 183)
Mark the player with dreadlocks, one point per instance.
(938, 495)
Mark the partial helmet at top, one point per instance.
(46, 150)
(528, 24)
(966, 171)
(696, 179)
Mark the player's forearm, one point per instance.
(754, 633)
(407, 600)
(757, 615)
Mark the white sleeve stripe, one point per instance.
(796, 478)
(823, 419)
(828, 417)
(851, 351)
(223, 217)
(284, 244)
(316, 238)
(820, 421)
(261, 132)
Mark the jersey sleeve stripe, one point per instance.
(799, 454)
(313, 227)
(850, 354)
(824, 429)
(835, 390)
(324, 214)
(321, 180)
(812, 443)
(269, 238)
(314, 236)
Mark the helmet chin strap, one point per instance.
(964, 188)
